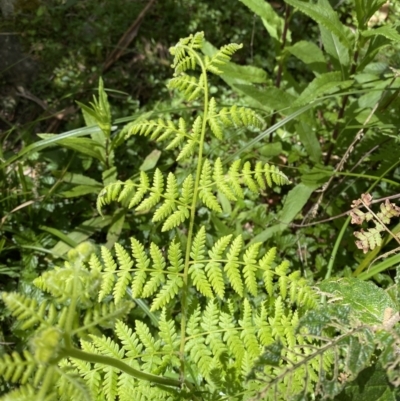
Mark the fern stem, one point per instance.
(118, 364)
(184, 306)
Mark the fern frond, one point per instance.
(156, 190)
(190, 87)
(150, 355)
(104, 315)
(171, 341)
(232, 337)
(108, 276)
(108, 194)
(132, 347)
(157, 275)
(231, 268)
(205, 192)
(214, 269)
(123, 274)
(142, 264)
(240, 117)
(191, 144)
(169, 204)
(184, 58)
(16, 368)
(250, 268)
(210, 326)
(221, 57)
(168, 292)
(143, 187)
(249, 331)
(25, 309)
(221, 181)
(213, 121)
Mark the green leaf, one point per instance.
(271, 20)
(388, 32)
(270, 98)
(85, 146)
(370, 385)
(310, 54)
(339, 53)
(57, 233)
(115, 228)
(325, 83)
(80, 190)
(151, 160)
(365, 9)
(81, 233)
(78, 179)
(323, 14)
(368, 301)
(308, 138)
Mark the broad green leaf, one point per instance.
(79, 179)
(370, 385)
(294, 202)
(317, 175)
(109, 176)
(151, 160)
(81, 233)
(308, 138)
(292, 206)
(80, 190)
(115, 228)
(310, 54)
(271, 20)
(365, 9)
(324, 15)
(85, 146)
(339, 53)
(388, 32)
(368, 301)
(323, 84)
(57, 233)
(271, 98)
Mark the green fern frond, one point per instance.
(169, 290)
(248, 333)
(132, 346)
(184, 59)
(190, 87)
(26, 393)
(158, 274)
(108, 194)
(156, 190)
(213, 121)
(142, 264)
(108, 276)
(221, 57)
(221, 181)
(16, 368)
(104, 315)
(171, 341)
(123, 274)
(205, 192)
(169, 204)
(250, 268)
(214, 269)
(235, 116)
(210, 325)
(25, 309)
(231, 268)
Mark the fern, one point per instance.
(218, 302)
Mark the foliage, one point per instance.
(200, 306)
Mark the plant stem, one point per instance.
(281, 63)
(185, 289)
(71, 352)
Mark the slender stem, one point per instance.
(71, 352)
(185, 289)
(341, 113)
(281, 63)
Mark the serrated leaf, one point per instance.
(368, 301)
(310, 54)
